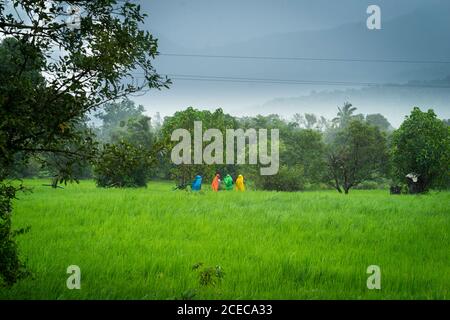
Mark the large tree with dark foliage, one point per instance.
(123, 165)
(358, 152)
(130, 151)
(380, 121)
(52, 75)
(421, 148)
(185, 119)
(115, 117)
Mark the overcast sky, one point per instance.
(240, 27)
(334, 57)
(201, 23)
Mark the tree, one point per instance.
(345, 114)
(308, 121)
(421, 146)
(115, 115)
(357, 153)
(304, 148)
(323, 124)
(288, 179)
(185, 119)
(131, 152)
(83, 69)
(138, 132)
(72, 164)
(378, 120)
(123, 165)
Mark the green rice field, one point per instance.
(143, 243)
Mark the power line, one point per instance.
(239, 57)
(184, 77)
(297, 82)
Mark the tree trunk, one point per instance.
(55, 183)
(338, 188)
(336, 182)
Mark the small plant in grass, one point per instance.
(208, 275)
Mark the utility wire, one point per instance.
(297, 82)
(239, 57)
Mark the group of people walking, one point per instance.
(218, 184)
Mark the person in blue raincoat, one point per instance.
(197, 184)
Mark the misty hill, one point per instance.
(393, 101)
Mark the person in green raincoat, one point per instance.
(228, 181)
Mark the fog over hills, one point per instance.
(392, 101)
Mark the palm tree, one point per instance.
(344, 115)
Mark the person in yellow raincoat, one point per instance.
(240, 186)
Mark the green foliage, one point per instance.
(83, 70)
(138, 132)
(116, 118)
(88, 67)
(123, 165)
(132, 149)
(288, 179)
(374, 184)
(379, 121)
(345, 115)
(184, 173)
(304, 148)
(311, 122)
(358, 152)
(422, 146)
(11, 268)
(115, 112)
(24, 167)
(208, 275)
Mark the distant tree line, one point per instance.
(349, 151)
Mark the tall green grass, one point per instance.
(142, 244)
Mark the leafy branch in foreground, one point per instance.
(53, 76)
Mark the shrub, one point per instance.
(208, 275)
(123, 165)
(287, 179)
(11, 268)
(376, 183)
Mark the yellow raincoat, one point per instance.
(240, 186)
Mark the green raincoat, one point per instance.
(228, 182)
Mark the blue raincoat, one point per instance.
(197, 184)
